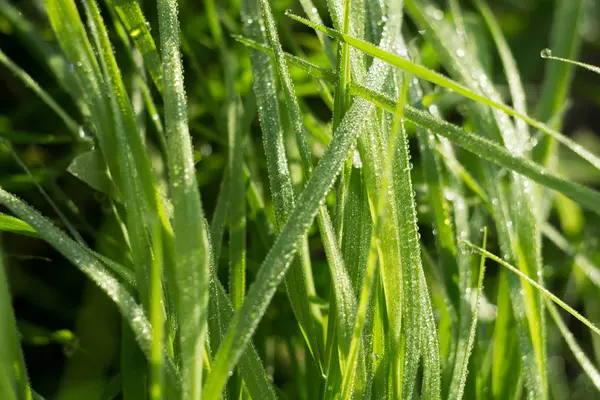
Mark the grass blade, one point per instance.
(14, 382)
(191, 244)
(459, 379)
(129, 308)
(537, 286)
(447, 83)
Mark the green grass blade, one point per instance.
(508, 62)
(279, 257)
(14, 382)
(191, 239)
(96, 271)
(547, 54)
(459, 379)
(41, 93)
(447, 83)
(345, 298)
(139, 30)
(586, 364)
(298, 285)
(537, 286)
(15, 225)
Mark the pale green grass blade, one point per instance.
(237, 206)
(430, 345)
(506, 367)
(157, 318)
(41, 93)
(586, 364)
(14, 382)
(447, 83)
(15, 225)
(299, 286)
(129, 308)
(279, 257)
(139, 31)
(219, 219)
(191, 240)
(537, 286)
(547, 54)
(250, 365)
(583, 262)
(459, 379)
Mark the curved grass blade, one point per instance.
(537, 286)
(14, 382)
(508, 62)
(547, 54)
(96, 271)
(448, 83)
(459, 379)
(191, 239)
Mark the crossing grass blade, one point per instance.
(476, 144)
(345, 298)
(14, 380)
(447, 83)
(298, 284)
(274, 266)
(547, 294)
(191, 239)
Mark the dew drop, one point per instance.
(546, 53)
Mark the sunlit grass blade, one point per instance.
(191, 240)
(537, 286)
(299, 286)
(14, 225)
(279, 257)
(345, 298)
(313, 14)
(448, 83)
(14, 381)
(459, 379)
(139, 30)
(96, 271)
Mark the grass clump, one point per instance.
(355, 155)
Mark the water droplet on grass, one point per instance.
(546, 53)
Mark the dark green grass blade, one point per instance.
(14, 382)
(129, 308)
